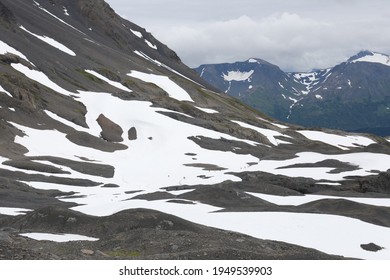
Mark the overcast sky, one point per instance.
(296, 35)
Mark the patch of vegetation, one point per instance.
(124, 254)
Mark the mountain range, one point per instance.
(112, 148)
(353, 95)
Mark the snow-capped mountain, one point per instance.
(353, 95)
(109, 139)
(260, 84)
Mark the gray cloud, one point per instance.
(295, 35)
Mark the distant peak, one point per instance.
(361, 54)
(372, 57)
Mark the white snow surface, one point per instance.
(343, 142)
(161, 148)
(319, 97)
(207, 110)
(366, 164)
(237, 76)
(113, 83)
(374, 58)
(41, 78)
(51, 42)
(6, 92)
(300, 200)
(269, 133)
(5, 48)
(274, 124)
(164, 154)
(150, 44)
(136, 33)
(252, 60)
(58, 237)
(160, 64)
(328, 233)
(11, 211)
(65, 11)
(164, 83)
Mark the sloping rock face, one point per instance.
(104, 133)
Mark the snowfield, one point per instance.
(164, 148)
(328, 233)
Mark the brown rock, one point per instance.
(110, 131)
(87, 252)
(132, 134)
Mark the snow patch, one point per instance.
(40, 78)
(51, 42)
(10, 211)
(319, 97)
(58, 237)
(274, 124)
(173, 90)
(343, 142)
(113, 83)
(270, 134)
(66, 11)
(6, 92)
(252, 60)
(4, 49)
(136, 33)
(237, 76)
(207, 110)
(150, 44)
(158, 63)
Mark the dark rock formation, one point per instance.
(132, 134)
(110, 131)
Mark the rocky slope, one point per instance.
(352, 96)
(112, 146)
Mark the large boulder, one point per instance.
(110, 131)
